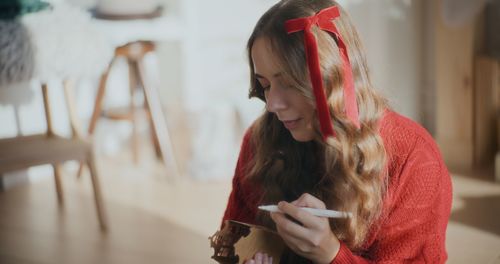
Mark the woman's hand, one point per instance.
(260, 258)
(313, 239)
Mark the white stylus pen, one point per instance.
(313, 211)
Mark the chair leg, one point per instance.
(159, 122)
(80, 170)
(97, 108)
(154, 137)
(97, 193)
(152, 130)
(57, 178)
(132, 71)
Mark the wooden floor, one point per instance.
(151, 221)
(156, 220)
(473, 234)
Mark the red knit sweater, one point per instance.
(416, 207)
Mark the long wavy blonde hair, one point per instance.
(348, 171)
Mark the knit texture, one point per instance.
(16, 53)
(416, 207)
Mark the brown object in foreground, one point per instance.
(237, 242)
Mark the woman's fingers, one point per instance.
(260, 258)
(296, 244)
(267, 259)
(285, 225)
(304, 217)
(308, 200)
(312, 235)
(298, 238)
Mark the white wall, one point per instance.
(392, 34)
(391, 30)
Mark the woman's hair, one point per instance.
(346, 172)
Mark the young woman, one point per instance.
(329, 141)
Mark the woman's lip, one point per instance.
(291, 124)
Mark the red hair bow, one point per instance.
(323, 19)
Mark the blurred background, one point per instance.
(121, 120)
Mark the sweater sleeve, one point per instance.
(237, 205)
(414, 228)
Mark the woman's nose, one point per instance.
(276, 100)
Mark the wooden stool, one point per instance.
(26, 151)
(134, 54)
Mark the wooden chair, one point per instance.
(25, 151)
(134, 53)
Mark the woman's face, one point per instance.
(292, 108)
